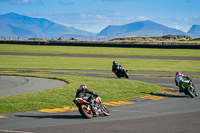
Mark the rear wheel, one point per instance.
(106, 110)
(86, 111)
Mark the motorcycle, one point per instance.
(188, 87)
(120, 72)
(93, 108)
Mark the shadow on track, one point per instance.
(168, 95)
(52, 116)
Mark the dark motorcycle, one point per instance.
(120, 72)
(92, 108)
(188, 87)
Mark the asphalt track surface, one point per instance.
(15, 85)
(175, 114)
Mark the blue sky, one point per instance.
(95, 15)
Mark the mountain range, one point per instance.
(14, 26)
(194, 31)
(142, 28)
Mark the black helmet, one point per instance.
(83, 86)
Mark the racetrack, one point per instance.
(175, 113)
(15, 85)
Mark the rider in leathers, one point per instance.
(180, 79)
(81, 93)
(115, 67)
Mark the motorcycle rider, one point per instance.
(81, 93)
(180, 78)
(116, 66)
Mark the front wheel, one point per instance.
(191, 91)
(86, 111)
(126, 75)
(106, 110)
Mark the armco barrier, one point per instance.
(102, 44)
(24, 42)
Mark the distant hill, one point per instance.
(13, 25)
(152, 39)
(194, 31)
(142, 28)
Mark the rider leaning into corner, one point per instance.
(180, 79)
(82, 91)
(115, 66)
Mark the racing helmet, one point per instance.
(83, 86)
(178, 73)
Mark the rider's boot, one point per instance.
(101, 109)
(181, 89)
(96, 112)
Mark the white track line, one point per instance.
(10, 131)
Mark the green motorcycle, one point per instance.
(188, 87)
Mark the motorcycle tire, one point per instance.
(190, 91)
(196, 94)
(106, 110)
(126, 75)
(88, 114)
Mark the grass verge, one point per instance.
(108, 89)
(11, 48)
(46, 62)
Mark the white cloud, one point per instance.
(66, 2)
(181, 23)
(177, 27)
(142, 18)
(97, 21)
(22, 2)
(91, 21)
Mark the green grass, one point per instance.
(108, 89)
(9, 48)
(45, 62)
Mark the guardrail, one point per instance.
(101, 44)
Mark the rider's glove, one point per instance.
(95, 94)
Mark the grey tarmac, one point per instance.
(15, 85)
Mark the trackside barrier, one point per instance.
(101, 44)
